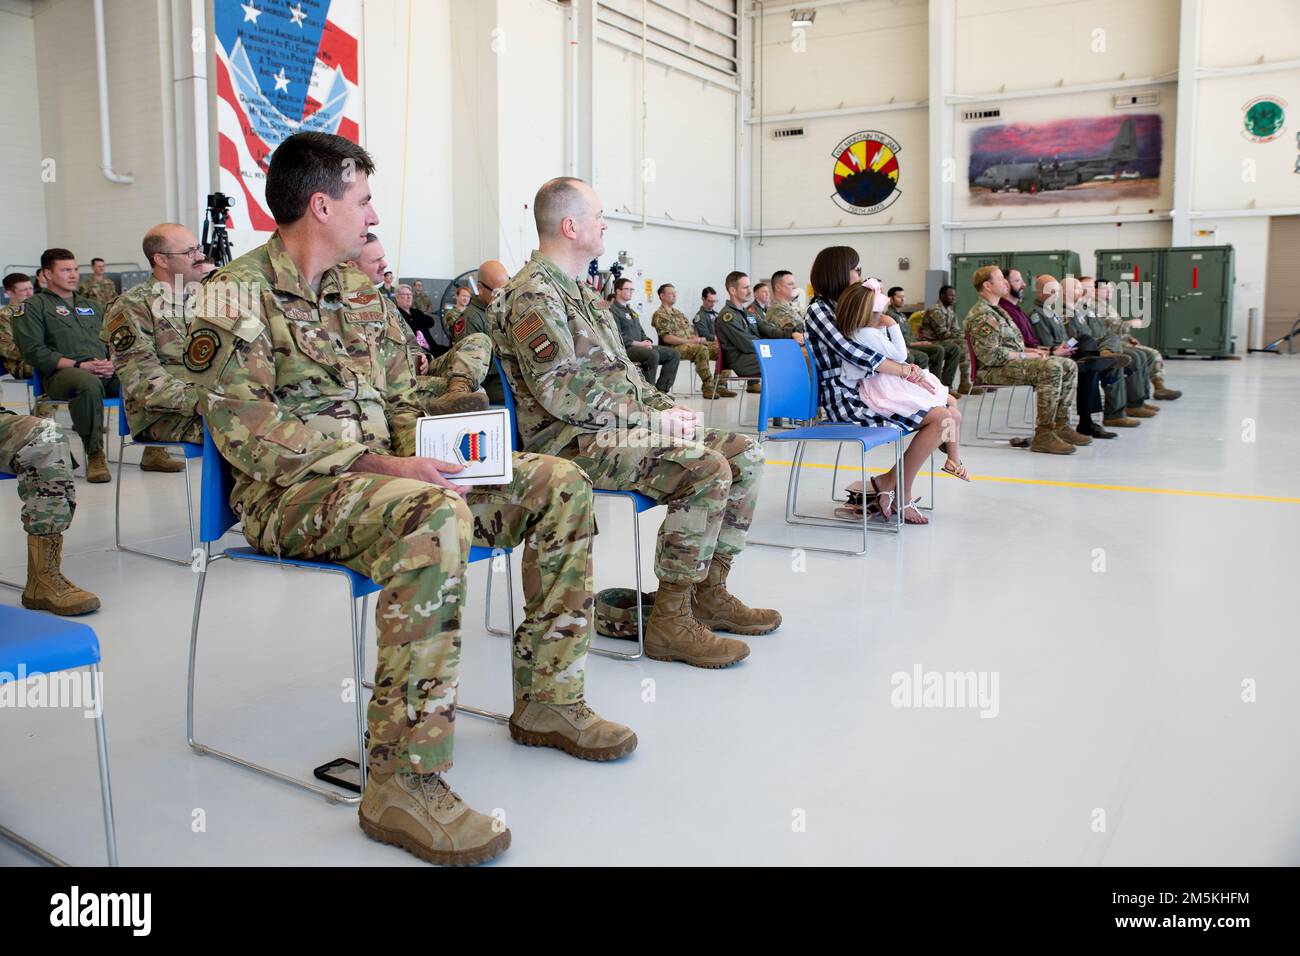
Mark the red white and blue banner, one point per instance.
(282, 66)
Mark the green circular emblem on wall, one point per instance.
(1264, 118)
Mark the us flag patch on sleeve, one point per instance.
(527, 327)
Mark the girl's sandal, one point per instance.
(956, 469)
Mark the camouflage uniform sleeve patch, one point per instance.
(201, 350)
(232, 306)
(121, 336)
(530, 331)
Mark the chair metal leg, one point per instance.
(487, 610)
(640, 623)
(105, 784)
(28, 846)
(117, 513)
(358, 662)
(794, 517)
(105, 787)
(202, 749)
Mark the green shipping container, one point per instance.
(1185, 291)
(1057, 262)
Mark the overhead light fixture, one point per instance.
(802, 18)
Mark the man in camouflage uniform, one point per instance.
(675, 331)
(18, 287)
(783, 319)
(472, 320)
(1001, 358)
(738, 330)
(1082, 318)
(918, 353)
(450, 382)
(145, 331)
(36, 450)
(444, 385)
(941, 327)
(98, 286)
(58, 335)
(1141, 355)
(579, 396)
(305, 384)
(421, 298)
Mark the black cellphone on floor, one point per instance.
(342, 772)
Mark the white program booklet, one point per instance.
(478, 440)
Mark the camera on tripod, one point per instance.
(216, 248)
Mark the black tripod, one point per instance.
(217, 249)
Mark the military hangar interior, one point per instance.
(827, 291)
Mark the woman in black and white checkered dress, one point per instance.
(834, 269)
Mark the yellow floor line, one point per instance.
(1091, 486)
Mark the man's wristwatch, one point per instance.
(77, 363)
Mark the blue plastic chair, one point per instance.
(38, 391)
(32, 643)
(790, 391)
(639, 503)
(215, 519)
(191, 450)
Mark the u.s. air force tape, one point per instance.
(201, 350)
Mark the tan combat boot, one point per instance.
(574, 728)
(1066, 433)
(1121, 421)
(1140, 411)
(754, 387)
(423, 816)
(47, 589)
(673, 633)
(714, 389)
(157, 459)
(1162, 394)
(717, 608)
(97, 468)
(459, 397)
(1046, 441)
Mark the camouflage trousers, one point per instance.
(710, 486)
(414, 539)
(174, 428)
(1055, 380)
(702, 357)
(1155, 361)
(470, 358)
(37, 451)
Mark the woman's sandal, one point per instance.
(956, 469)
(911, 506)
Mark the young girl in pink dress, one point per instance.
(860, 316)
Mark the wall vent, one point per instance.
(969, 116)
(787, 132)
(1128, 101)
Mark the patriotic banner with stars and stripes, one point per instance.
(282, 66)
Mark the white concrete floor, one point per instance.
(1118, 691)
